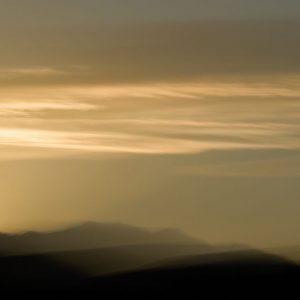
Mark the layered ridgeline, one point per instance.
(237, 274)
(126, 260)
(98, 248)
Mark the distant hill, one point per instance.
(89, 236)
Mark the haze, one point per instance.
(177, 114)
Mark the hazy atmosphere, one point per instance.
(172, 113)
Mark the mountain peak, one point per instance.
(89, 235)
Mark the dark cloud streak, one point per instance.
(113, 54)
(56, 13)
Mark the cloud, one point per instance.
(196, 89)
(153, 118)
(27, 108)
(284, 86)
(31, 71)
(58, 13)
(120, 53)
(106, 142)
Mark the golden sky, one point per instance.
(185, 117)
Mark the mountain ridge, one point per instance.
(90, 235)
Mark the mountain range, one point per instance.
(90, 235)
(124, 260)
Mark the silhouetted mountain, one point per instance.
(291, 252)
(237, 274)
(122, 258)
(88, 236)
(160, 271)
(37, 272)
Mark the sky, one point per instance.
(155, 113)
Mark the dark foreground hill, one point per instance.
(238, 275)
(95, 262)
(119, 260)
(235, 274)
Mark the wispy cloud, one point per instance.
(32, 71)
(186, 90)
(164, 118)
(115, 142)
(26, 108)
